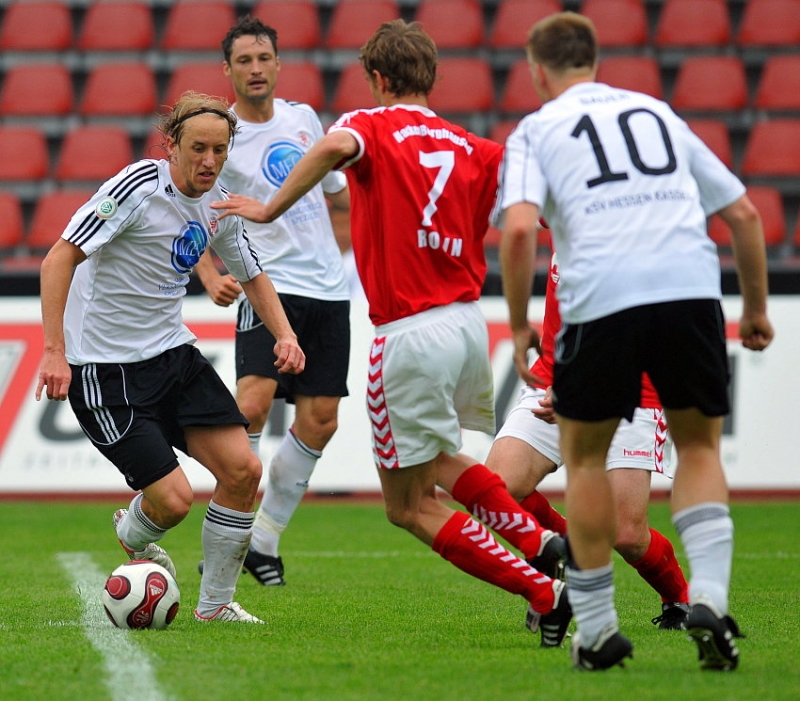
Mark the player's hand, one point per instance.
(246, 207)
(756, 331)
(545, 412)
(55, 376)
(290, 357)
(223, 290)
(526, 339)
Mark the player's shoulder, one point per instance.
(141, 177)
(294, 109)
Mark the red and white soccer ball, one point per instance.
(141, 594)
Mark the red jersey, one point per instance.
(543, 367)
(421, 190)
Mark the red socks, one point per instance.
(660, 569)
(467, 544)
(485, 495)
(537, 504)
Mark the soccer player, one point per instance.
(422, 189)
(526, 450)
(626, 188)
(114, 342)
(301, 256)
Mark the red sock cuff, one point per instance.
(450, 532)
(474, 482)
(658, 548)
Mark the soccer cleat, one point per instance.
(268, 570)
(553, 625)
(553, 556)
(229, 613)
(673, 616)
(714, 634)
(611, 648)
(151, 551)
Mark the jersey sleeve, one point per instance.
(232, 245)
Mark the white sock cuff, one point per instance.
(302, 447)
(234, 524)
(699, 513)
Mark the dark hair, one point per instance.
(192, 104)
(403, 54)
(248, 26)
(563, 40)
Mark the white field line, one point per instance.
(129, 673)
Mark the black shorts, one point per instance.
(680, 345)
(135, 413)
(323, 331)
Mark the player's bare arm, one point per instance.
(517, 263)
(223, 290)
(747, 234)
(321, 158)
(56, 275)
(262, 295)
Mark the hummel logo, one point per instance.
(170, 192)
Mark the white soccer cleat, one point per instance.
(151, 551)
(231, 612)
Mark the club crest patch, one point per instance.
(106, 208)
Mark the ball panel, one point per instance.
(141, 594)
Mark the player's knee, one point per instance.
(401, 517)
(170, 509)
(243, 476)
(631, 543)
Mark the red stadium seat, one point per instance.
(711, 83)
(117, 25)
(119, 89)
(500, 130)
(197, 25)
(93, 154)
(154, 146)
(51, 216)
(352, 22)
(519, 96)
(779, 85)
(715, 135)
(296, 21)
(773, 149)
(36, 26)
(301, 81)
(639, 73)
(453, 24)
(25, 154)
(619, 23)
(769, 203)
(693, 23)
(514, 18)
(770, 24)
(352, 90)
(11, 222)
(37, 90)
(206, 77)
(465, 85)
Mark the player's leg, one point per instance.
(254, 397)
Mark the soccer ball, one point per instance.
(141, 594)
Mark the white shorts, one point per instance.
(429, 377)
(642, 444)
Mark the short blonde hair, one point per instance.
(192, 104)
(562, 41)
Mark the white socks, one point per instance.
(706, 531)
(289, 472)
(226, 535)
(136, 531)
(591, 595)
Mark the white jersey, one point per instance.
(298, 250)
(142, 238)
(626, 188)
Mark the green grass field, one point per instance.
(368, 614)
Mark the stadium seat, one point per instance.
(770, 24)
(619, 23)
(640, 73)
(465, 85)
(514, 18)
(51, 216)
(154, 145)
(206, 77)
(117, 25)
(453, 24)
(715, 135)
(197, 25)
(518, 96)
(693, 23)
(779, 84)
(37, 89)
(301, 81)
(36, 26)
(119, 89)
(93, 154)
(351, 91)
(25, 155)
(710, 83)
(769, 203)
(499, 131)
(773, 149)
(11, 222)
(352, 22)
(296, 21)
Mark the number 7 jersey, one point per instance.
(421, 193)
(626, 188)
